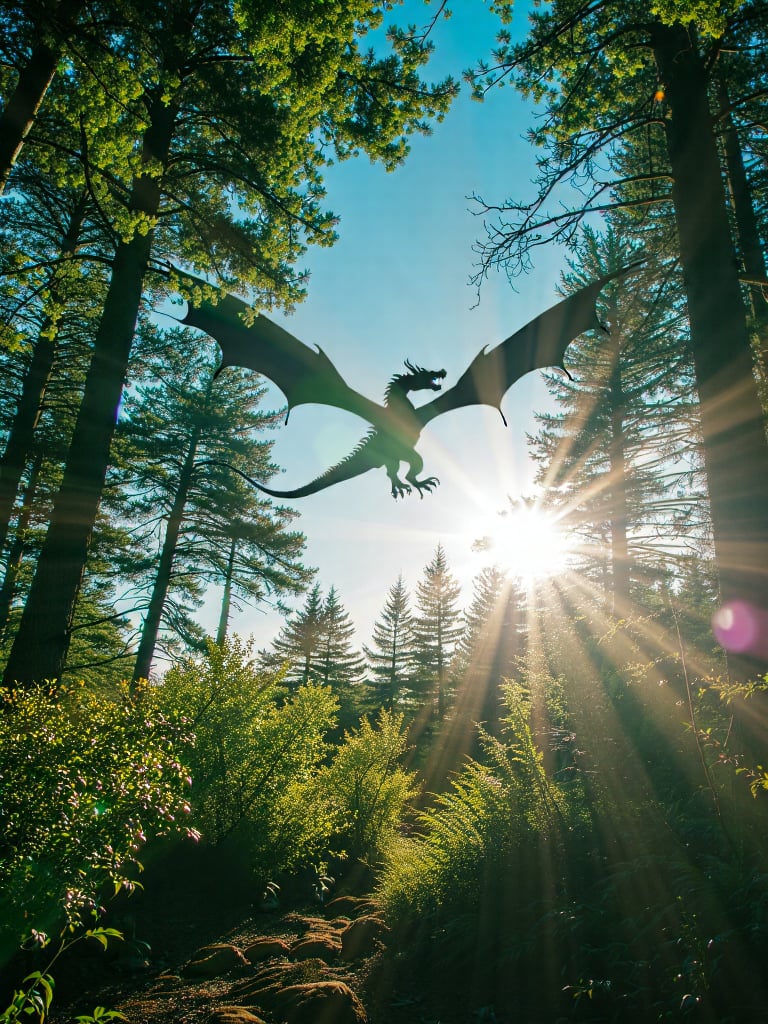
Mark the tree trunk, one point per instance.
(619, 515)
(40, 648)
(226, 600)
(15, 555)
(151, 627)
(20, 111)
(735, 449)
(747, 230)
(22, 432)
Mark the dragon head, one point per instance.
(419, 379)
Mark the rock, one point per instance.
(234, 1015)
(265, 949)
(211, 961)
(265, 986)
(323, 946)
(322, 1002)
(360, 938)
(348, 906)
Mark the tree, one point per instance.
(436, 628)
(621, 455)
(38, 35)
(187, 434)
(253, 104)
(299, 641)
(490, 642)
(391, 656)
(613, 72)
(338, 664)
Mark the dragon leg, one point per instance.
(399, 489)
(416, 464)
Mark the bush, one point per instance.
(84, 781)
(257, 758)
(369, 786)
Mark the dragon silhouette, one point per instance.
(307, 376)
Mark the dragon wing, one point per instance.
(304, 375)
(541, 343)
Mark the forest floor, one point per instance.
(151, 978)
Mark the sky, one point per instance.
(394, 287)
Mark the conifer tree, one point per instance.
(339, 665)
(436, 629)
(614, 74)
(251, 102)
(391, 654)
(185, 435)
(621, 454)
(491, 640)
(298, 643)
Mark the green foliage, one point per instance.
(257, 756)
(390, 656)
(475, 828)
(722, 710)
(368, 785)
(436, 628)
(709, 18)
(85, 780)
(35, 996)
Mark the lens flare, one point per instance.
(741, 628)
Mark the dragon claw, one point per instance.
(427, 484)
(399, 489)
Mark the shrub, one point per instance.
(257, 757)
(84, 781)
(369, 786)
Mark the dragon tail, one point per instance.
(355, 464)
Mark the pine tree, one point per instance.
(210, 105)
(491, 640)
(391, 656)
(436, 629)
(615, 74)
(298, 643)
(184, 435)
(339, 665)
(621, 454)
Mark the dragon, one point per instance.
(307, 376)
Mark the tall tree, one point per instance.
(339, 664)
(612, 72)
(34, 39)
(298, 644)
(621, 453)
(187, 434)
(391, 655)
(491, 640)
(253, 102)
(52, 288)
(436, 628)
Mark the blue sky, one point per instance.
(395, 287)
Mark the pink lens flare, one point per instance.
(741, 627)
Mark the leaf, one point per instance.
(96, 934)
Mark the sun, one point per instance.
(527, 541)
